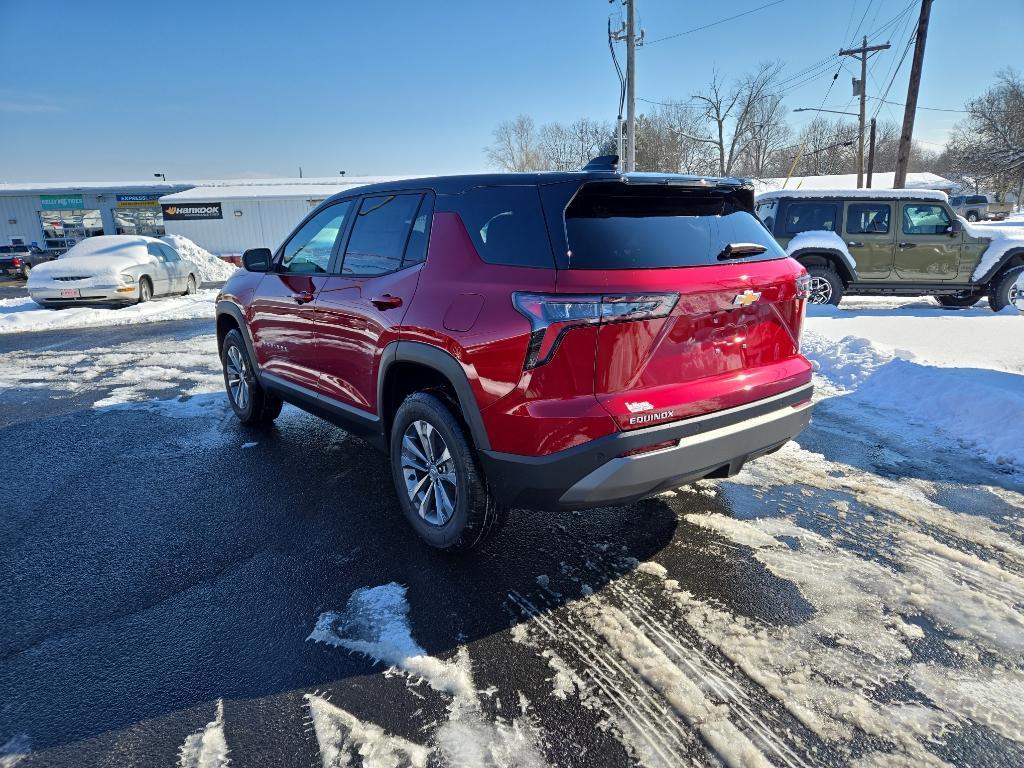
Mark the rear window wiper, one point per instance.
(740, 250)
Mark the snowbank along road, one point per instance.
(180, 590)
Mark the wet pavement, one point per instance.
(163, 568)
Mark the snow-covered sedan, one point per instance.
(112, 269)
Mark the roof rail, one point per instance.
(603, 163)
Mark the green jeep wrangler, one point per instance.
(893, 241)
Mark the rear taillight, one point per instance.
(552, 315)
(15, 262)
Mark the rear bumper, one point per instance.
(598, 474)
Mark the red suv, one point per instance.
(547, 340)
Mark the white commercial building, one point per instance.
(228, 217)
(224, 216)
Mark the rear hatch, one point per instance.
(701, 307)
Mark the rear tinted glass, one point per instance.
(615, 226)
(507, 226)
(805, 217)
(977, 200)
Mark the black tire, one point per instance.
(25, 269)
(999, 288)
(475, 513)
(826, 285)
(971, 216)
(959, 300)
(145, 290)
(190, 285)
(258, 407)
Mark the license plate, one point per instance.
(70, 293)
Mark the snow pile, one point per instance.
(1004, 238)
(206, 748)
(820, 239)
(209, 268)
(23, 314)
(967, 404)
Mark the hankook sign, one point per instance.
(191, 211)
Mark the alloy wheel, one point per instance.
(429, 472)
(821, 290)
(238, 377)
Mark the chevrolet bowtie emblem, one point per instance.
(746, 298)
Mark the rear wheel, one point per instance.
(190, 285)
(972, 216)
(1001, 290)
(959, 300)
(440, 487)
(251, 403)
(145, 290)
(25, 268)
(826, 285)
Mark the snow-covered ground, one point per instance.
(22, 314)
(956, 373)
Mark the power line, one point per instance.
(715, 23)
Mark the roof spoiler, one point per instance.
(603, 163)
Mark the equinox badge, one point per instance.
(746, 298)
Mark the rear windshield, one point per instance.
(976, 199)
(615, 226)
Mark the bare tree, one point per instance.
(987, 148)
(516, 146)
(570, 147)
(666, 141)
(731, 112)
(763, 154)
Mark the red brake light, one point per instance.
(552, 315)
(15, 262)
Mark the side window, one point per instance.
(154, 250)
(170, 254)
(507, 226)
(802, 217)
(416, 250)
(922, 219)
(868, 218)
(766, 212)
(379, 234)
(308, 251)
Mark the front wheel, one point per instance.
(251, 403)
(1002, 290)
(145, 290)
(190, 285)
(972, 216)
(826, 285)
(440, 487)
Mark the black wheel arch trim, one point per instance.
(1000, 265)
(442, 362)
(235, 311)
(846, 272)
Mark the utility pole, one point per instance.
(630, 85)
(862, 53)
(903, 153)
(871, 153)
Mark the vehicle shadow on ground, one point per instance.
(845, 312)
(164, 559)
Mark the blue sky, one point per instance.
(118, 90)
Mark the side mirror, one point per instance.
(954, 229)
(257, 260)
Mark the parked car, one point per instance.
(111, 269)
(894, 242)
(998, 207)
(555, 341)
(18, 260)
(971, 207)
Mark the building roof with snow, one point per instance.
(848, 181)
(264, 189)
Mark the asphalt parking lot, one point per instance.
(164, 569)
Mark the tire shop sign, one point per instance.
(191, 211)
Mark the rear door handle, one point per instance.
(387, 301)
(908, 245)
(855, 244)
(302, 297)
